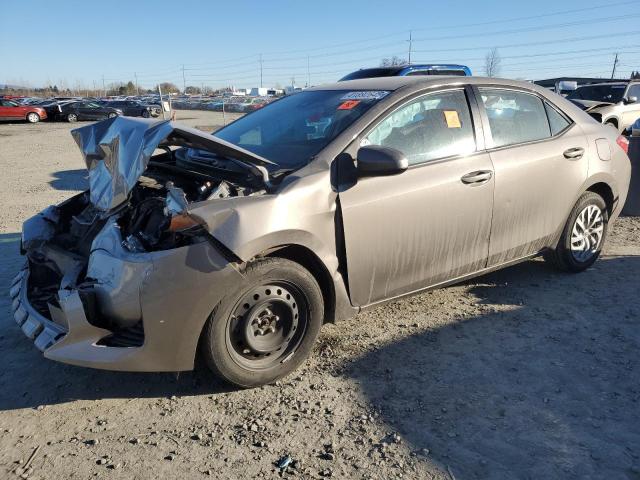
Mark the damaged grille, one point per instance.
(42, 288)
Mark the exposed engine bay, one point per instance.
(154, 217)
(99, 246)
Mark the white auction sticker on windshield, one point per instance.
(365, 95)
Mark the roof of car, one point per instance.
(395, 83)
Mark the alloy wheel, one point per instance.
(587, 232)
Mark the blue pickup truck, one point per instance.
(406, 70)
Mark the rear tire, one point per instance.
(146, 114)
(33, 117)
(72, 118)
(583, 236)
(266, 327)
(112, 115)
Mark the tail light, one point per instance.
(624, 143)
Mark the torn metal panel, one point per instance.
(40, 228)
(117, 152)
(176, 200)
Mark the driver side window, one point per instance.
(432, 126)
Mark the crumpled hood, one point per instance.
(117, 152)
(589, 105)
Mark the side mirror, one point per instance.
(630, 100)
(376, 161)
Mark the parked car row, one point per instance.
(611, 102)
(244, 104)
(73, 109)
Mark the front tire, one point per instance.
(583, 236)
(33, 117)
(266, 327)
(146, 114)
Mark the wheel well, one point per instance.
(612, 121)
(605, 192)
(310, 261)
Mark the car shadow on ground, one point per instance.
(545, 386)
(70, 180)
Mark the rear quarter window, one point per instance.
(557, 121)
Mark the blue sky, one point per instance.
(76, 43)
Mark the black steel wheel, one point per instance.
(267, 326)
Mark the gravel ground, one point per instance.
(523, 373)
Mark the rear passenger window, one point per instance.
(514, 117)
(433, 126)
(557, 121)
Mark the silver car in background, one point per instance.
(241, 244)
(616, 104)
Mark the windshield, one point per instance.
(292, 130)
(599, 93)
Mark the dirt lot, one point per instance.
(524, 373)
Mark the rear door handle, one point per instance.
(477, 178)
(574, 153)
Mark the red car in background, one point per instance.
(10, 110)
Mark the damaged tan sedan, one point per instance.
(238, 246)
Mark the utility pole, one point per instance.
(410, 45)
(184, 82)
(615, 64)
(308, 73)
(260, 60)
(136, 77)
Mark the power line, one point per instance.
(530, 29)
(545, 42)
(532, 17)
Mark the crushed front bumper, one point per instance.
(41, 330)
(175, 290)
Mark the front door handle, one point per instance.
(574, 153)
(477, 178)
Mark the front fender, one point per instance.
(303, 214)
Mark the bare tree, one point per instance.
(394, 61)
(492, 63)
